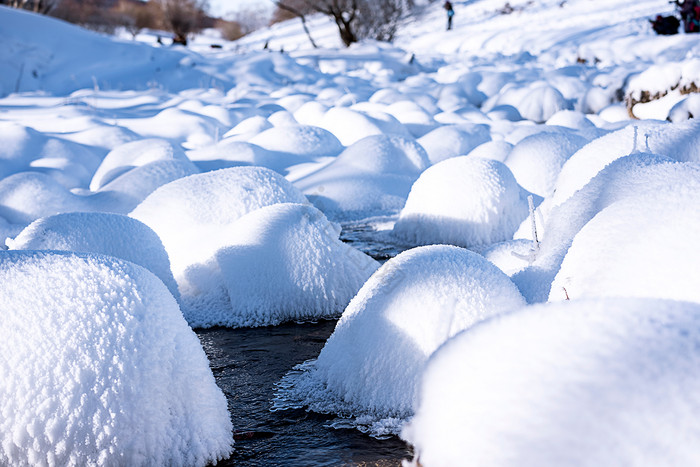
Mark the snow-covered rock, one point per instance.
(466, 201)
(537, 160)
(642, 246)
(135, 154)
(102, 233)
(600, 382)
(371, 365)
(374, 175)
(191, 215)
(281, 263)
(100, 368)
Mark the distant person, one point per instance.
(450, 13)
(690, 14)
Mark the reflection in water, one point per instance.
(246, 364)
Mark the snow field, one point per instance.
(233, 167)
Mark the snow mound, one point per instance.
(107, 234)
(605, 382)
(374, 175)
(135, 185)
(496, 150)
(537, 160)
(371, 365)
(300, 140)
(679, 141)
(134, 154)
(191, 215)
(230, 152)
(100, 368)
(27, 196)
(465, 201)
(282, 263)
(453, 140)
(350, 125)
(541, 102)
(644, 246)
(639, 174)
(24, 149)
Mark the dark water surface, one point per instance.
(246, 364)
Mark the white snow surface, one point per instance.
(107, 234)
(370, 366)
(466, 201)
(94, 124)
(282, 262)
(191, 215)
(608, 256)
(586, 382)
(99, 368)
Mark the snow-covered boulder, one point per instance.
(374, 175)
(191, 215)
(350, 125)
(299, 140)
(679, 141)
(107, 234)
(282, 262)
(589, 383)
(497, 150)
(135, 185)
(128, 156)
(371, 365)
(100, 368)
(537, 160)
(466, 201)
(542, 101)
(27, 196)
(643, 246)
(630, 177)
(453, 140)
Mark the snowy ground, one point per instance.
(556, 142)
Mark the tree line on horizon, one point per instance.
(355, 19)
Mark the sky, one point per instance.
(221, 8)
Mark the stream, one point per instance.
(248, 362)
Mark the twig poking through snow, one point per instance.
(532, 254)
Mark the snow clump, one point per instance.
(103, 233)
(100, 368)
(645, 246)
(465, 201)
(282, 262)
(371, 364)
(595, 382)
(374, 175)
(191, 215)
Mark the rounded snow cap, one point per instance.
(587, 383)
(100, 368)
(466, 201)
(92, 232)
(371, 365)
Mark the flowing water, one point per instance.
(247, 363)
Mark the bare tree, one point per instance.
(135, 15)
(38, 6)
(97, 15)
(355, 19)
(182, 17)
